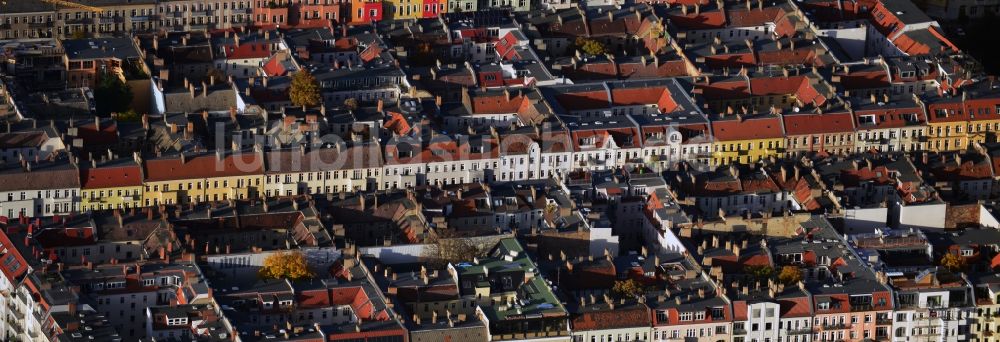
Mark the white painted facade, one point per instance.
(46, 202)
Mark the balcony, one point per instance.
(177, 14)
(112, 20)
(202, 27)
(80, 21)
(883, 321)
(739, 332)
(205, 13)
(800, 331)
(836, 326)
(530, 335)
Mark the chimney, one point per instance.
(380, 105)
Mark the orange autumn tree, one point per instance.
(291, 266)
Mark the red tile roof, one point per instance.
(111, 176)
(753, 17)
(396, 123)
(247, 51)
(203, 166)
(275, 67)
(10, 259)
(803, 124)
(619, 318)
(795, 307)
(370, 53)
(587, 100)
(659, 96)
(499, 103)
(763, 127)
(865, 80)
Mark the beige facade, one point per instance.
(201, 15)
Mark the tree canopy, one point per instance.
(760, 272)
(590, 46)
(286, 265)
(627, 289)
(304, 91)
(953, 262)
(790, 275)
(112, 95)
(351, 103)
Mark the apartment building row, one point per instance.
(37, 19)
(886, 284)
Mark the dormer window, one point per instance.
(941, 113)
(967, 252)
(177, 321)
(867, 120)
(824, 306)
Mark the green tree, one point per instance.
(304, 91)
(78, 34)
(627, 289)
(790, 275)
(112, 95)
(290, 265)
(128, 116)
(953, 262)
(351, 103)
(590, 46)
(760, 272)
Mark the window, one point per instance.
(686, 316)
(718, 313)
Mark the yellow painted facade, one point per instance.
(111, 198)
(404, 9)
(983, 130)
(746, 151)
(202, 190)
(947, 136)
